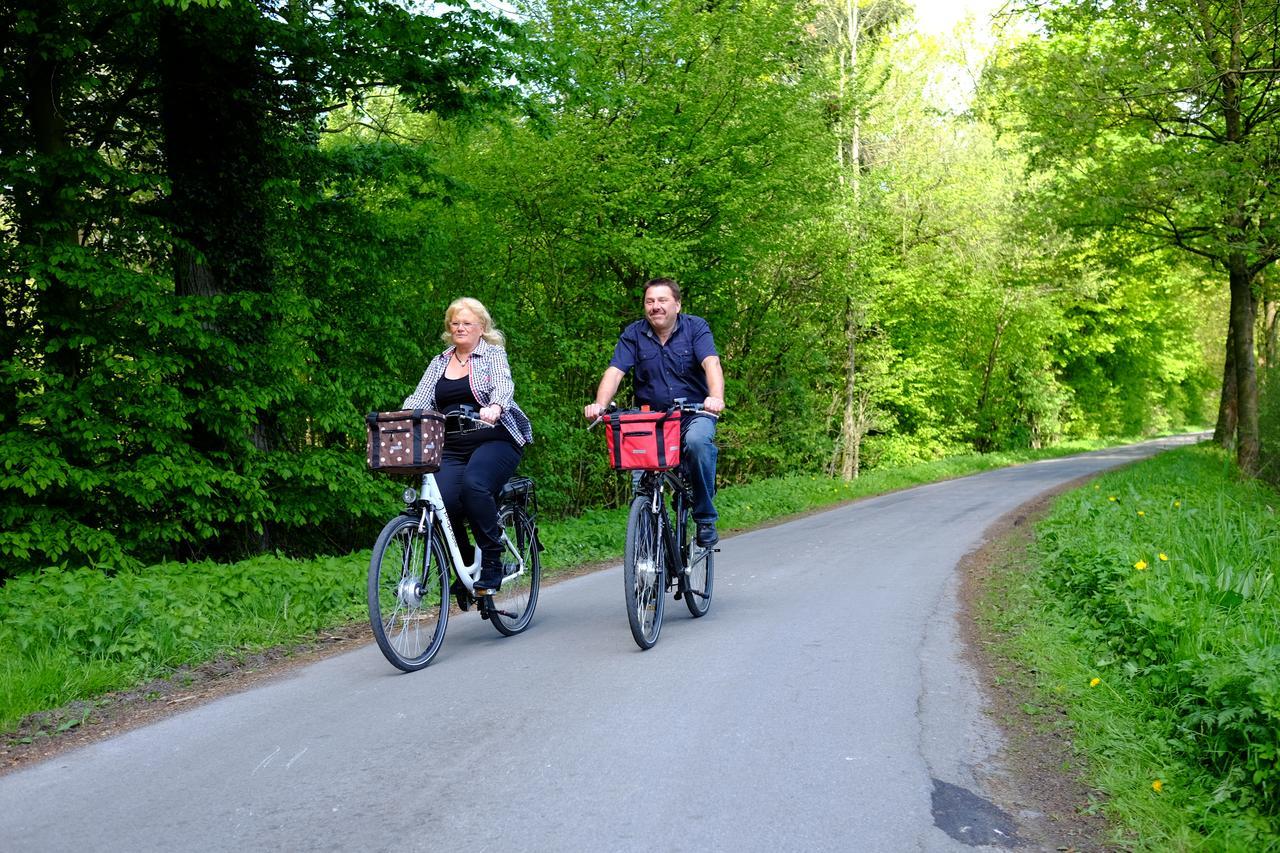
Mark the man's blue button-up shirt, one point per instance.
(664, 372)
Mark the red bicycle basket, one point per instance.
(644, 440)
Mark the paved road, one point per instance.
(821, 705)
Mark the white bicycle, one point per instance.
(416, 555)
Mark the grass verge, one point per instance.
(1148, 612)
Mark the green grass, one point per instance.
(70, 635)
(75, 634)
(1150, 613)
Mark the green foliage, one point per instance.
(1165, 573)
(174, 382)
(1131, 115)
(216, 268)
(1130, 352)
(76, 633)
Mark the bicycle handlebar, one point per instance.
(612, 407)
(467, 418)
(678, 405)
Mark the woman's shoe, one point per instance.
(486, 584)
(461, 595)
(490, 575)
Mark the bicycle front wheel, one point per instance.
(699, 570)
(644, 573)
(511, 607)
(408, 593)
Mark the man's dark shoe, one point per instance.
(707, 535)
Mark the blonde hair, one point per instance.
(475, 306)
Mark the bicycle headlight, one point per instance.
(410, 496)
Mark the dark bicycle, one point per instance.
(662, 554)
(416, 553)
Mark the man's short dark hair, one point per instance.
(663, 282)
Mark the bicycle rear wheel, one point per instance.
(644, 573)
(511, 607)
(700, 569)
(408, 593)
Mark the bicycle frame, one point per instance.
(434, 515)
(675, 555)
(655, 484)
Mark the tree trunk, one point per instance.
(213, 112)
(850, 440)
(1242, 325)
(1224, 434)
(216, 155)
(45, 217)
(1243, 305)
(1270, 312)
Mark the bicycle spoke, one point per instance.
(407, 602)
(644, 574)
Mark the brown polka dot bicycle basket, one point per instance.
(409, 441)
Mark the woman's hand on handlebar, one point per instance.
(466, 418)
(490, 414)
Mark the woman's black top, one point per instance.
(451, 395)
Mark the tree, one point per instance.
(856, 34)
(155, 157)
(1163, 119)
(667, 138)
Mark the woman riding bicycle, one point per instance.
(473, 372)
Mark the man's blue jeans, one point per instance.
(698, 454)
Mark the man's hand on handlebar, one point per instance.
(713, 405)
(595, 413)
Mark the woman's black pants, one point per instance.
(470, 486)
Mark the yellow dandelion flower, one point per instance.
(1111, 497)
(1164, 558)
(1094, 682)
(1177, 503)
(1140, 512)
(1140, 565)
(1157, 786)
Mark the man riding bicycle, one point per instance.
(674, 357)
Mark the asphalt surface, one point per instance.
(823, 704)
